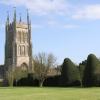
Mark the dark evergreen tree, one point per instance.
(81, 70)
(70, 73)
(97, 75)
(89, 73)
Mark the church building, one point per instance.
(18, 45)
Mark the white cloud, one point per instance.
(52, 23)
(58, 24)
(88, 12)
(37, 26)
(40, 6)
(61, 7)
(69, 26)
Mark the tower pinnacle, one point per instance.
(20, 20)
(7, 22)
(27, 17)
(15, 14)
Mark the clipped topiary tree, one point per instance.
(97, 75)
(89, 73)
(81, 71)
(70, 73)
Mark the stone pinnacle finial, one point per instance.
(20, 20)
(7, 17)
(14, 14)
(27, 17)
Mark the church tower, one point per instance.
(18, 46)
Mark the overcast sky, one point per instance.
(66, 28)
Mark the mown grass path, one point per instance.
(33, 93)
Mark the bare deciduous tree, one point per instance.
(14, 74)
(42, 64)
(10, 75)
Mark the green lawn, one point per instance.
(33, 93)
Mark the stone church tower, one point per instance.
(18, 46)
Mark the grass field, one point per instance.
(31, 93)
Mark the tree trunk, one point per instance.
(10, 81)
(41, 83)
(81, 83)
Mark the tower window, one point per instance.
(19, 50)
(23, 50)
(25, 37)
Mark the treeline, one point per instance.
(86, 74)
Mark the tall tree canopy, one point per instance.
(70, 72)
(42, 64)
(90, 69)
